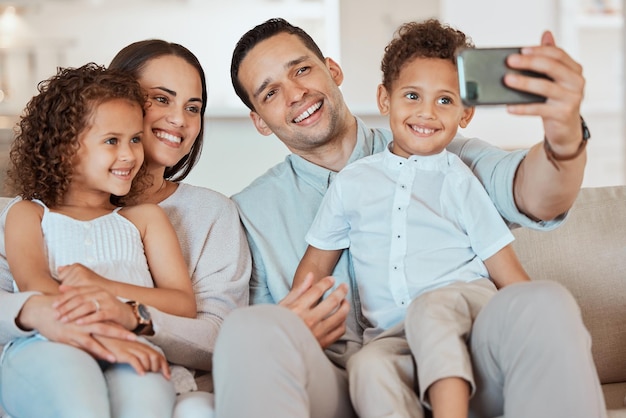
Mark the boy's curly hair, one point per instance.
(428, 39)
(46, 137)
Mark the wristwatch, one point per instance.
(144, 321)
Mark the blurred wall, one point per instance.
(73, 32)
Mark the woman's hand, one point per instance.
(38, 314)
(138, 355)
(87, 305)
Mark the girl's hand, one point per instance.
(38, 314)
(138, 355)
(86, 305)
(78, 275)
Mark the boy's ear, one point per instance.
(382, 98)
(260, 124)
(468, 114)
(335, 70)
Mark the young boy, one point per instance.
(426, 242)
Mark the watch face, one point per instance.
(144, 314)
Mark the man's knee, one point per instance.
(533, 311)
(255, 329)
(545, 299)
(251, 322)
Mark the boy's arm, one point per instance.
(25, 249)
(505, 268)
(319, 263)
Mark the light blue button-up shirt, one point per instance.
(412, 225)
(278, 208)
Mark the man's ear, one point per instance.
(335, 70)
(382, 98)
(260, 124)
(468, 114)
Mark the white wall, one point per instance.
(595, 41)
(73, 32)
(234, 153)
(492, 23)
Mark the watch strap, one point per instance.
(553, 157)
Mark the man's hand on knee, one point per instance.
(326, 318)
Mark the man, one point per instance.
(268, 361)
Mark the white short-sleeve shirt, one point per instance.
(412, 225)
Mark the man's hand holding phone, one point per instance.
(548, 179)
(538, 80)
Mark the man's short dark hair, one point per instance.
(258, 34)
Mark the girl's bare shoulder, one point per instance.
(143, 213)
(25, 208)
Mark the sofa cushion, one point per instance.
(587, 254)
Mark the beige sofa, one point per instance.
(588, 255)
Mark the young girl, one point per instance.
(210, 233)
(73, 162)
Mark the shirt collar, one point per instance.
(435, 162)
(320, 178)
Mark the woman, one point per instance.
(209, 231)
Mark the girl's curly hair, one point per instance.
(428, 39)
(46, 137)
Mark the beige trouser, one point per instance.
(531, 357)
(267, 364)
(435, 332)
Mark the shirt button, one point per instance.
(403, 186)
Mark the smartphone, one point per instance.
(481, 78)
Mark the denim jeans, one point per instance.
(40, 378)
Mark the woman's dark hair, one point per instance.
(47, 136)
(258, 34)
(133, 59)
